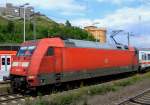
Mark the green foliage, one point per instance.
(85, 102)
(101, 90)
(41, 102)
(68, 24)
(31, 26)
(12, 31)
(10, 27)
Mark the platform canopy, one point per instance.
(9, 46)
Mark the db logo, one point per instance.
(106, 61)
(17, 70)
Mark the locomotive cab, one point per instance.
(34, 58)
(20, 65)
(22, 60)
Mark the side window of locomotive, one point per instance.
(50, 51)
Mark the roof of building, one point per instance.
(94, 28)
(9, 46)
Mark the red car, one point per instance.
(53, 60)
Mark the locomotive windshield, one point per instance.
(26, 51)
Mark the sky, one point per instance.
(129, 15)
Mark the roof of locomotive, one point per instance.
(91, 44)
(76, 43)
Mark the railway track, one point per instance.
(141, 99)
(10, 99)
(5, 82)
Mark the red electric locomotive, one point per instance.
(53, 60)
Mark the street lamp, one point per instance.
(24, 12)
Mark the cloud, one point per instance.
(141, 41)
(126, 16)
(120, 18)
(68, 13)
(67, 6)
(125, 2)
(136, 20)
(117, 2)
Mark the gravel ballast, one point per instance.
(113, 98)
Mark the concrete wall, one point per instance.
(16, 11)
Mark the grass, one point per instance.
(72, 96)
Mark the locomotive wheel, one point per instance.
(14, 89)
(141, 70)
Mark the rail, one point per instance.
(7, 98)
(140, 99)
(5, 82)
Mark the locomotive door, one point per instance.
(5, 65)
(58, 65)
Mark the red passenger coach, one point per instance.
(7, 51)
(53, 60)
(6, 58)
(144, 58)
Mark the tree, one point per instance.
(10, 27)
(68, 24)
(31, 26)
(12, 31)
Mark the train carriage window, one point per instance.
(148, 56)
(3, 61)
(50, 51)
(8, 61)
(143, 56)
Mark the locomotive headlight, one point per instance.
(31, 77)
(15, 64)
(25, 64)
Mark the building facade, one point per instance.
(15, 11)
(2, 11)
(98, 33)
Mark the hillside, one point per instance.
(12, 31)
